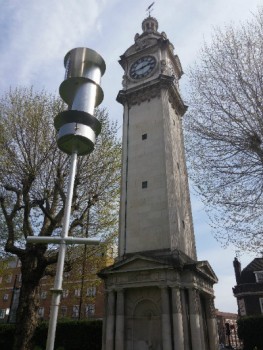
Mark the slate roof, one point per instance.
(247, 274)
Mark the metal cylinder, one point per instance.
(85, 98)
(77, 128)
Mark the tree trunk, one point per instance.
(26, 317)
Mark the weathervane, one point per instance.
(149, 9)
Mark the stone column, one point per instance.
(178, 331)
(211, 323)
(166, 324)
(195, 322)
(110, 321)
(119, 340)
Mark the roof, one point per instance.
(247, 274)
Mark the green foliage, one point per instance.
(73, 335)
(250, 331)
(6, 336)
(70, 335)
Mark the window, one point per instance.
(144, 136)
(63, 311)
(90, 310)
(5, 297)
(91, 291)
(9, 278)
(261, 304)
(2, 313)
(144, 184)
(43, 294)
(75, 311)
(12, 264)
(242, 307)
(77, 292)
(259, 276)
(40, 311)
(65, 293)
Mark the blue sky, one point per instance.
(36, 35)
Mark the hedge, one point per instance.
(70, 335)
(6, 336)
(250, 330)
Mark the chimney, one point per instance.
(237, 268)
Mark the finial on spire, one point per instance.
(149, 9)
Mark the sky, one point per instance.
(35, 35)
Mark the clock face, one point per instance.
(142, 67)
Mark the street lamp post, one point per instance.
(77, 130)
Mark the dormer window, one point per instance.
(259, 276)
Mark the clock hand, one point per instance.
(145, 65)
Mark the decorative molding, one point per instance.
(176, 300)
(151, 90)
(211, 308)
(243, 294)
(195, 301)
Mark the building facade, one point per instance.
(227, 329)
(249, 288)
(82, 297)
(10, 282)
(158, 295)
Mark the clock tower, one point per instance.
(158, 296)
(155, 204)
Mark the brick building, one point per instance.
(10, 280)
(227, 329)
(249, 288)
(82, 298)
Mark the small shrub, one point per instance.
(250, 331)
(70, 335)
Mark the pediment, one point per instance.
(136, 263)
(206, 270)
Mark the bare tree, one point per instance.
(33, 181)
(224, 132)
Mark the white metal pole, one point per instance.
(57, 290)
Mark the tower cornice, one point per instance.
(152, 89)
(146, 45)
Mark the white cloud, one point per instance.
(41, 33)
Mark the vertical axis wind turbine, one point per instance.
(77, 131)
